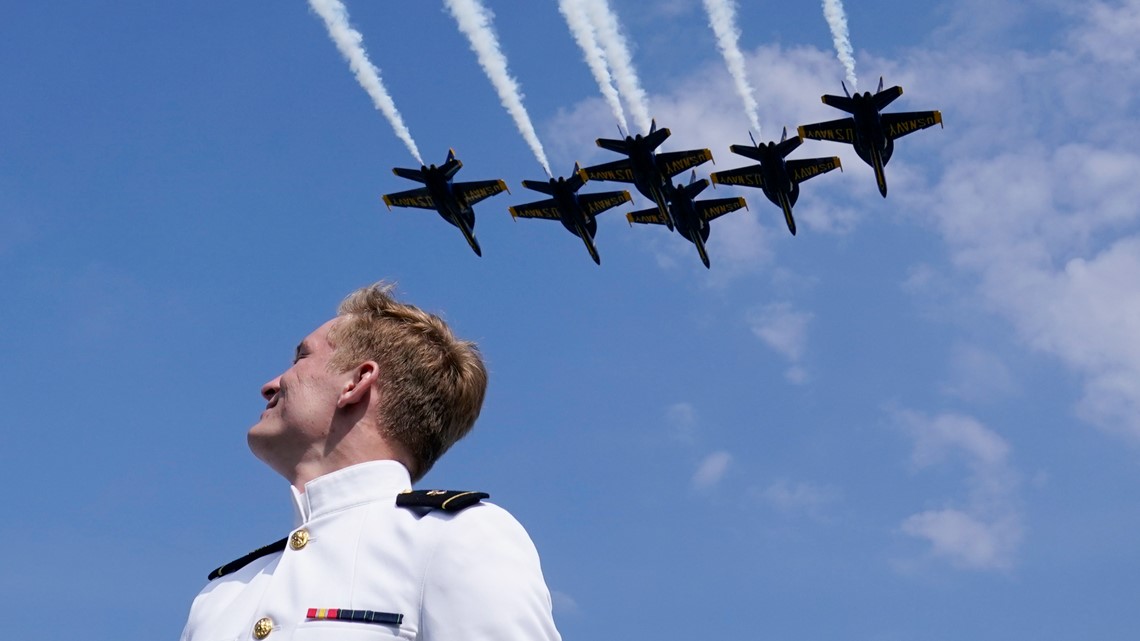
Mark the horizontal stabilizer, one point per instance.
(656, 137)
(620, 146)
(839, 102)
(748, 151)
(693, 189)
(542, 186)
(886, 96)
(411, 174)
(787, 146)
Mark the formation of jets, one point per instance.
(870, 131)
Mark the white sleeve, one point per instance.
(484, 582)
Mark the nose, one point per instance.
(270, 389)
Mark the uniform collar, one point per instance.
(346, 487)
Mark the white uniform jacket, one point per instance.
(356, 563)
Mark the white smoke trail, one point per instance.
(595, 56)
(350, 43)
(722, 19)
(475, 22)
(613, 42)
(837, 20)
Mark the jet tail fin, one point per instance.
(411, 174)
(452, 165)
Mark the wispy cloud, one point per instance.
(682, 421)
(711, 470)
(799, 497)
(978, 375)
(783, 328)
(564, 604)
(985, 531)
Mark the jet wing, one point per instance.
(672, 163)
(472, 192)
(595, 204)
(900, 124)
(803, 169)
(745, 177)
(714, 208)
(646, 217)
(418, 198)
(539, 209)
(617, 171)
(842, 130)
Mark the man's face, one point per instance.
(301, 403)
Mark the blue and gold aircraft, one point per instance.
(870, 131)
(779, 178)
(691, 216)
(452, 200)
(575, 211)
(648, 170)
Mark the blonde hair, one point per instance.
(432, 384)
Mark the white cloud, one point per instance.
(986, 530)
(799, 497)
(784, 329)
(682, 421)
(1109, 34)
(978, 375)
(965, 540)
(1031, 185)
(563, 603)
(711, 470)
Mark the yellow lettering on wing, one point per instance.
(803, 173)
(845, 134)
(612, 174)
(746, 180)
(905, 127)
(414, 201)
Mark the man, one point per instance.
(374, 397)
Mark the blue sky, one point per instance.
(916, 419)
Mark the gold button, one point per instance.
(299, 539)
(262, 628)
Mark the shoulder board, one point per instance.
(446, 500)
(237, 564)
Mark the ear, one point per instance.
(364, 377)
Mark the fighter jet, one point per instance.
(871, 132)
(691, 216)
(779, 178)
(575, 211)
(647, 170)
(452, 200)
